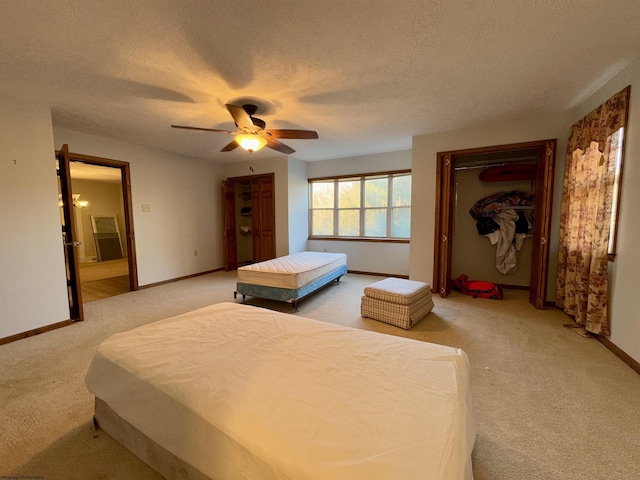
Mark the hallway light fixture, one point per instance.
(76, 201)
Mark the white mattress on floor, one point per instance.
(243, 392)
(291, 271)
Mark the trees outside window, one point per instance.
(374, 206)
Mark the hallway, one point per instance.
(103, 279)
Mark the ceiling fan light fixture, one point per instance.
(250, 142)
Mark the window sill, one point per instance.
(362, 239)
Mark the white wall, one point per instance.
(499, 132)
(298, 206)
(625, 270)
(185, 206)
(279, 166)
(373, 257)
(33, 282)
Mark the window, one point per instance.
(615, 154)
(374, 206)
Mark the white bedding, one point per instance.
(291, 271)
(243, 392)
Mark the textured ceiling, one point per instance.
(367, 75)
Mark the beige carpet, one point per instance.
(550, 404)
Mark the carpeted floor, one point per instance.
(550, 404)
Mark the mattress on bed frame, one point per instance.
(292, 295)
(237, 391)
(291, 271)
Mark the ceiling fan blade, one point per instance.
(200, 128)
(293, 134)
(241, 117)
(230, 146)
(281, 147)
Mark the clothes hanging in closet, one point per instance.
(506, 228)
(505, 249)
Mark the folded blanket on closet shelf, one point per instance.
(491, 205)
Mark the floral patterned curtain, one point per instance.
(582, 286)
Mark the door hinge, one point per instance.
(444, 238)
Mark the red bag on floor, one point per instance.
(477, 288)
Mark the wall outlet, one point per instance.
(146, 207)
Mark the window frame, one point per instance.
(616, 193)
(361, 177)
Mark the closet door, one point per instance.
(264, 218)
(229, 225)
(444, 225)
(542, 225)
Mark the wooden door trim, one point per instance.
(542, 228)
(252, 177)
(127, 207)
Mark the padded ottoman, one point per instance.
(397, 301)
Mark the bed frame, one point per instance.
(289, 295)
(290, 278)
(157, 457)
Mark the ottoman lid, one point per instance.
(398, 290)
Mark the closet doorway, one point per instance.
(538, 156)
(249, 220)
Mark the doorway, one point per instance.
(249, 220)
(100, 189)
(542, 155)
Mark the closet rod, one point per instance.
(486, 165)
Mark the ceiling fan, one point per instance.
(252, 134)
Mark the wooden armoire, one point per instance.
(249, 220)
